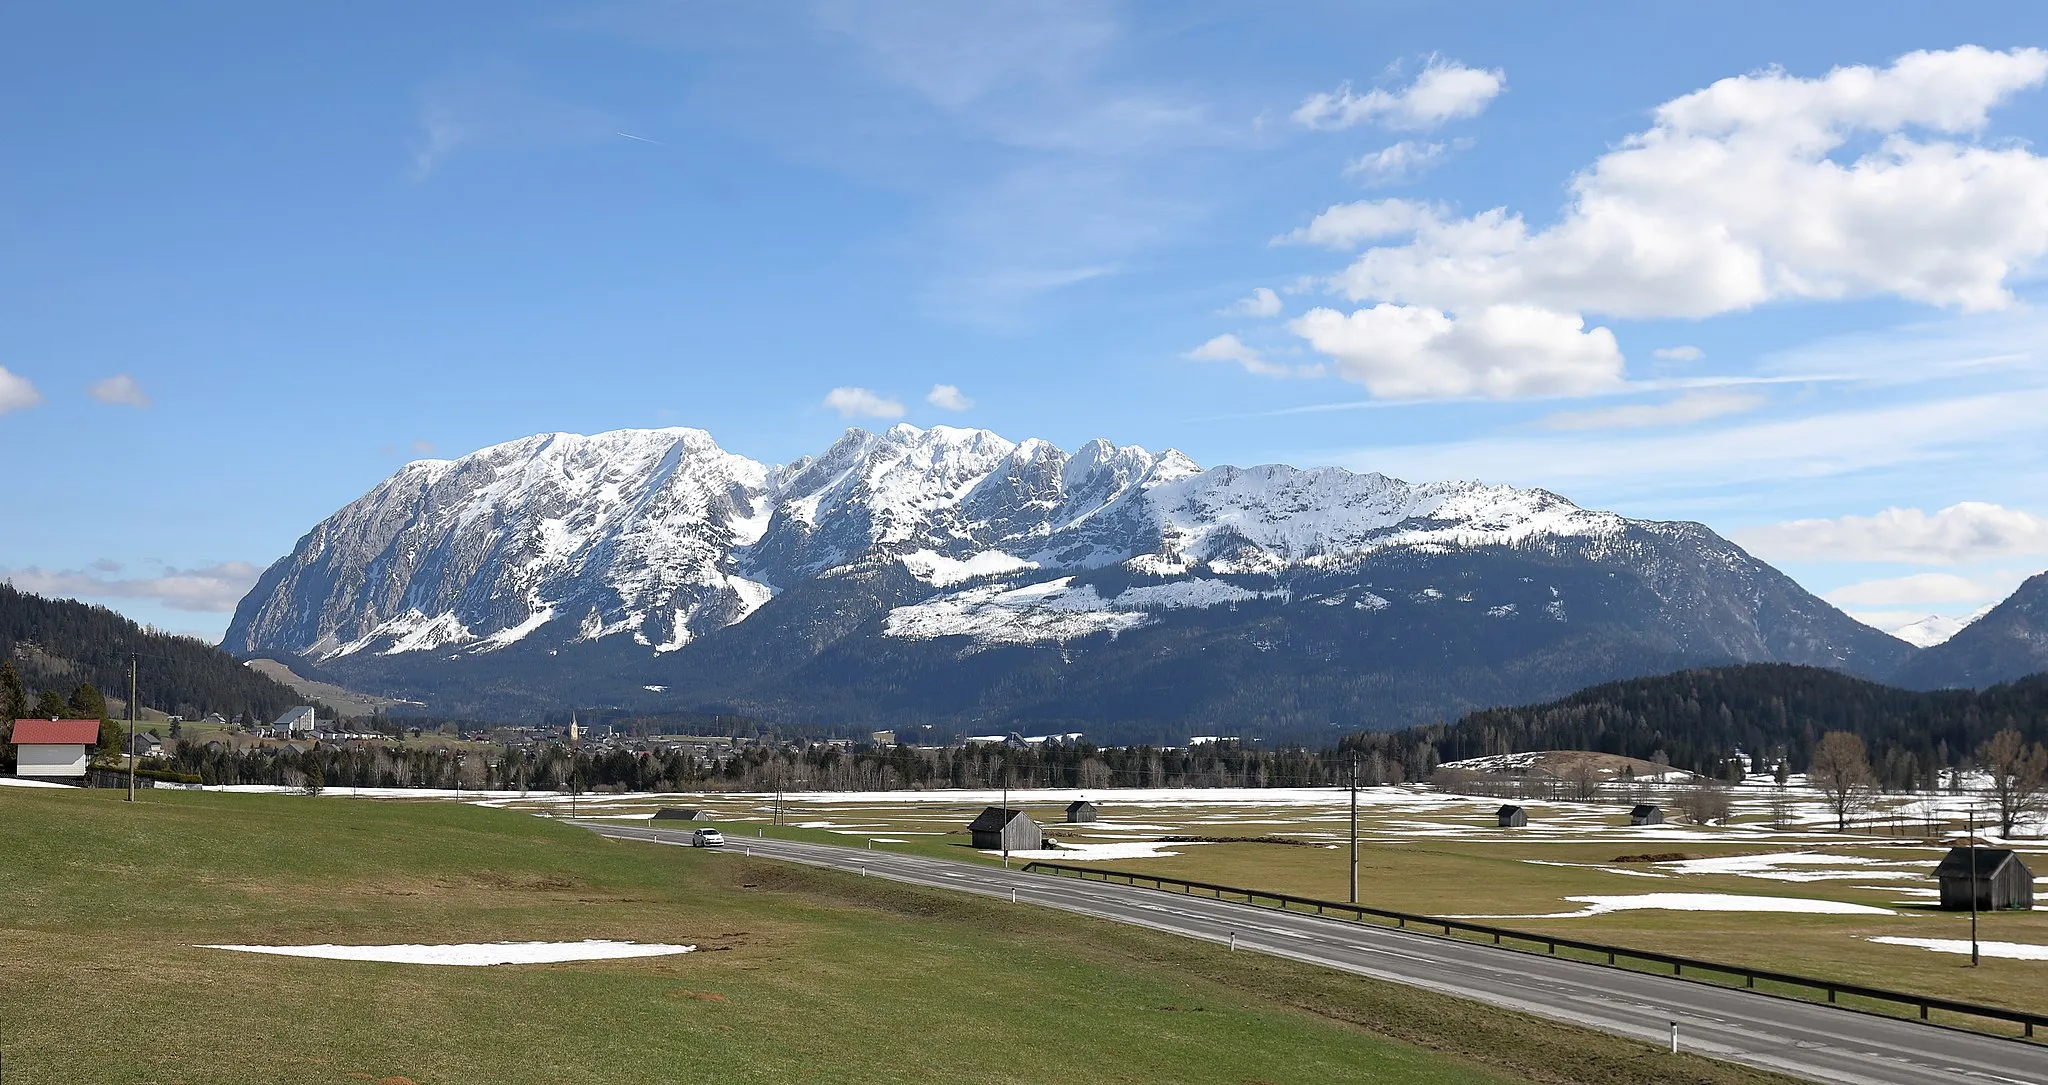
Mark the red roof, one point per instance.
(56, 732)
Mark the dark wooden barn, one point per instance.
(678, 813)
(1646, 814)
(1513, 817)
(997, 829)
(1081, 812)
(2002, 881)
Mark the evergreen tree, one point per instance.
(13, 695)
(50, 706)
(110, 738)
(87, 704)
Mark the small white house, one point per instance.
(54, 749)
(295, 721)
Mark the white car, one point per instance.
(707, 838)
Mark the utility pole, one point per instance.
(1003, 826)
(131, 727)
(1973, 886)
(1354, 828)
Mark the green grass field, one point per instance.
(802, 975)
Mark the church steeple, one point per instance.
(574, 731)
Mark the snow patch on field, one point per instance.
(2013, 951)
(1698, 902)
(1774, 866)
(475, 953)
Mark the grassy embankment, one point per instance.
(802, 974)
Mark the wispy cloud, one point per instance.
(1924, 588)
(1685, 410)
(1445, 90)
(495, 110)
(1400, 162)
(209, 589)
(1229, 348)
(862, 403)
(1808, 446)
(16, 393)
(948, 397)
(1260, 302)
(119, 389)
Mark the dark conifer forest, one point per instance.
(1767, 710)
(59, 644)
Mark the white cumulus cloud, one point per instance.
(119, 389)
(861, 403)
(1684, 410)
(1445, 90)
(1500, 351)
(1260, 302)
(209, 589)
(1747, 191)
(947, 397)
(1964, 532)
(16, 393)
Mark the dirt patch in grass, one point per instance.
(1657, 857)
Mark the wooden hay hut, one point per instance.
(1513, 817)
(679, 813)
(1646, 814)
(1080, 812)
(2001, 881)
(997, 829)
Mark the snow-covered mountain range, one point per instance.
(646, 554)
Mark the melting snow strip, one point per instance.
(475, 953)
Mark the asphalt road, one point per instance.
(1802, 1039)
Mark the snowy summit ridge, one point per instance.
(660, 536)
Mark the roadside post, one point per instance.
(1972, 824)
(1674, 1037)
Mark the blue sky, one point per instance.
(1771, 267)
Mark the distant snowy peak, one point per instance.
(661, 536)
(1935, 628)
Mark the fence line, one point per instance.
(1503, 936)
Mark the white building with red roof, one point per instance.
(54, 749)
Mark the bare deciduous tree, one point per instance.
(1841, 772)
(1704, 804)
(1582, 777)
(2019, 776)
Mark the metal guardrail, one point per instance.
(1503, 937)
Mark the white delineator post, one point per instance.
(1674, 1037)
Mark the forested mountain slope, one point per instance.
(1697, 717)
(60, 643)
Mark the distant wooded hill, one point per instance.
(1697, 717)
(59, 643)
